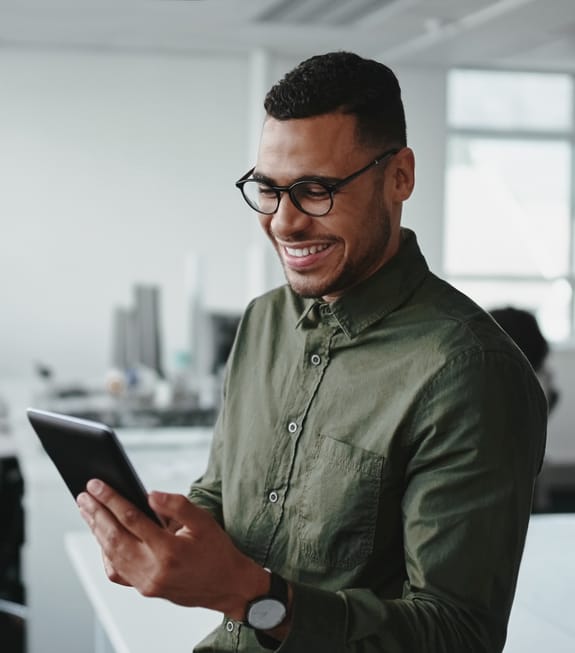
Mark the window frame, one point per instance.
(566, 136)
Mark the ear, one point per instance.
(403, 174)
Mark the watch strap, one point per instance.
(278, 588)
(278, 591)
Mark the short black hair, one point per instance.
(345, 82)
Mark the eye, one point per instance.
(266, 192)
(312, 190)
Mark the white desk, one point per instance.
(542, 615)
(541, 620)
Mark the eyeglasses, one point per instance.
(312, 196)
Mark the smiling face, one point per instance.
(325, 257)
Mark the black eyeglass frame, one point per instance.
(330, 188)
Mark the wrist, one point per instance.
(254, 581)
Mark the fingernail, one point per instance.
(95, 486)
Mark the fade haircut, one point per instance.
(344, 82)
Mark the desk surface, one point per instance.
(541, 619)
(542, 615)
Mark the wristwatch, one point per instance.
(268, 611)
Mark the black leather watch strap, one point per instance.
(262, 612)
(278, 588)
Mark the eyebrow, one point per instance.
(259, 177)
(271, 182)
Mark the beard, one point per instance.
(368, 256)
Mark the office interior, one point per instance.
(127, 254)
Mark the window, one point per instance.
(509, 193)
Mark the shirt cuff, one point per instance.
(318, 621)
(267, 642)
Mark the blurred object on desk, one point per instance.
(136, 332)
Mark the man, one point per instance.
(379, 436)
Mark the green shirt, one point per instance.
(379, 452)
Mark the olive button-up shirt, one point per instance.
(379, 452)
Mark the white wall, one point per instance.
(423, 92)
(114, 168)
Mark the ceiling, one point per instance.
(532, 34)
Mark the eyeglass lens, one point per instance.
(311, 197)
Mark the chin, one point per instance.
(304, 290)
(303, 287)
(308, 288)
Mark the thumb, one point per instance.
(177, 507)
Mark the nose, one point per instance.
(288, 220)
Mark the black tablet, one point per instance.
(82, 449)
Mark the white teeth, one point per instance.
(305, 251)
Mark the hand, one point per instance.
(112, 574)
(193, 562)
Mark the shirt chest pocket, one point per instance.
(337, 512)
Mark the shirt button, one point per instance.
(273, 496)
(292, 427)
(315, 359)
(230, 626)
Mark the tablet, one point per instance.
(82, 449)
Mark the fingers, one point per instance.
(134, 521)
(110, 533)
(177, 508)
(123, 552)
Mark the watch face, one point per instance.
(266, 614)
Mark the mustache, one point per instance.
(294, 239)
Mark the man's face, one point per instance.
(324, 257)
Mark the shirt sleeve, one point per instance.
(476, 441)
(206, 491)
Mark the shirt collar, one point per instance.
(380, 294)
